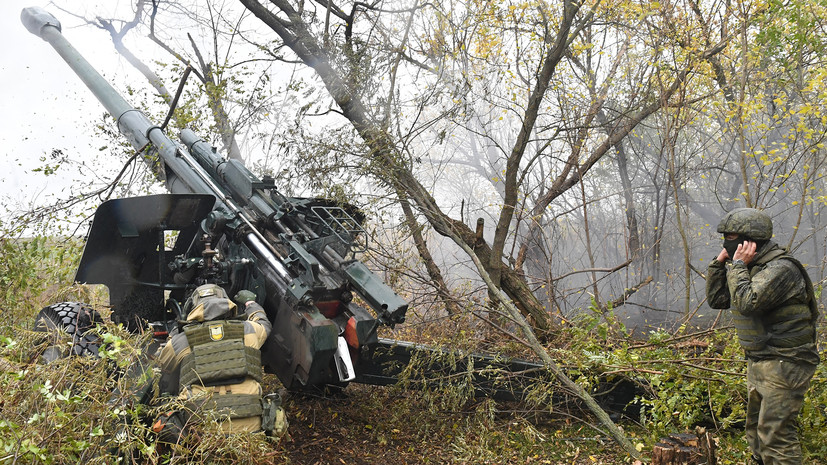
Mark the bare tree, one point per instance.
(212, 75)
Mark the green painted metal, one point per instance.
(236, 230)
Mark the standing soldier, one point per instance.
(214, 363)
(775, 312)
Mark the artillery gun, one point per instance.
(233, 229)
(236, 230)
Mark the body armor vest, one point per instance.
(791, 325)
(220, 358)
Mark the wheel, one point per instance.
(73, 319)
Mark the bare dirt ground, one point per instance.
(340, 430)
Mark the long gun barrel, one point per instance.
(294, 253)
(182, 174)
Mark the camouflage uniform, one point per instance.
(774, 311)
(215, 362)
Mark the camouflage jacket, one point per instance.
(770, 299)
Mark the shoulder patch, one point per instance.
(206, 291)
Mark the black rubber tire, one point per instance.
(74, 319)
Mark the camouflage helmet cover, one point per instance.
(747, 222)
(209, 302)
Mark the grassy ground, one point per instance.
(66, 412)
(79, 410)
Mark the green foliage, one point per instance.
(686, 381)
(788, 31)
(34, 268)
(82, 409)
(701, 384)
(41, 401)
(814, 414)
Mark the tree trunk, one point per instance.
(512, 166)
(531, 340)
(685, 449)
(384, 154)
(628, 196)
(435, 274)
(574, 169)
(117, 41)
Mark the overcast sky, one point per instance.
(45, 106)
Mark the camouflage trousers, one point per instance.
(776, 394)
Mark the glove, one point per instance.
(244, 296)
(169, 427)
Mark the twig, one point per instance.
(626, 294)
(590, 270)
(502, 330)
(680, 338)
(713, 370)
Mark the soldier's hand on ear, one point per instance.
(745, 252)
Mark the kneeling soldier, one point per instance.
(214, 362)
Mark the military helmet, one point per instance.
(209, 302)
(749, 222)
